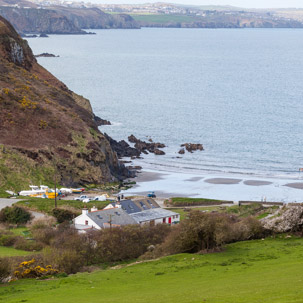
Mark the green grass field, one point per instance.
(163, 18)
(195, 202)
(12, 252)
(183, 213)
(46, 205)
(247, 272)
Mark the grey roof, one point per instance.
(135, 206)
(146, 203)
(117, 216)
(128, 205)
(152, 214)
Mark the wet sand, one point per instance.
(256, 183)
(194, 179)
(145, 176)
(295, 185)
(223, 181)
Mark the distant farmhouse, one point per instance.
(125, 212)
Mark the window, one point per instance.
(86, 222)
(164, 220)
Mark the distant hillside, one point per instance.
(94, 18)
(45, 129)
(217, 19)
(59, 19)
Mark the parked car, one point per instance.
(100, 198)
(81, 198)
(151, 195)
(87, 200)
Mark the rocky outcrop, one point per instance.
(182, 151)
(46, 55)
(122, 148)
(191, 147)
(145, 147)
(101, 122)
(45, 129)
(288, 219)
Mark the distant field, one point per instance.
(195, 202)
(163, 18)
(247, 272)
(12, 252)
(46, 205)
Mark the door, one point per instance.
(169, 220)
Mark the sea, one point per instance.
(239, 92)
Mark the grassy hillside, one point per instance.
(164, 18)
(256, 271)
(12, 252)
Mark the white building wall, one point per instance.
(174, 219)
(81, 220)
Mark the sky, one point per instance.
(239, 3)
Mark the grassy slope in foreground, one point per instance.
(254, 271)
(12, 252)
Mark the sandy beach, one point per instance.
(225, 181)
(167, 184)
(295, 185)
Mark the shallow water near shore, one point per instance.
(238, 92)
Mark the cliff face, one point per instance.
(63, 20)
(32, 20)
(44, 127)
(94, 18)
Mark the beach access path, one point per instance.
(9, 202)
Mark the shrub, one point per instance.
(66, 260)
(63, 215)
(44, 235)
(31, 269)
(8, 239)
(201, 232)
(129, 242)
(4, 269)
(14, 215)
(40, 223)
(27, 245)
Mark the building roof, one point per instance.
(146, 203)
(152, 214)
(138, 205)
(111, 216)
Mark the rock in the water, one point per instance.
(191, 147)
(182, 151)
(122, 148)
(101, 122)
(159, 152)
(47, 55)
(145, 147)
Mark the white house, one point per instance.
(118, 216)
(156, 216)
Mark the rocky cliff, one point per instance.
(94, 18)
(33, 20)
(63, 20)
(45, 129)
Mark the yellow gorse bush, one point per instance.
(26, 103)
(28, 269)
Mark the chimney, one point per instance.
(94, 208)
(84, 211)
